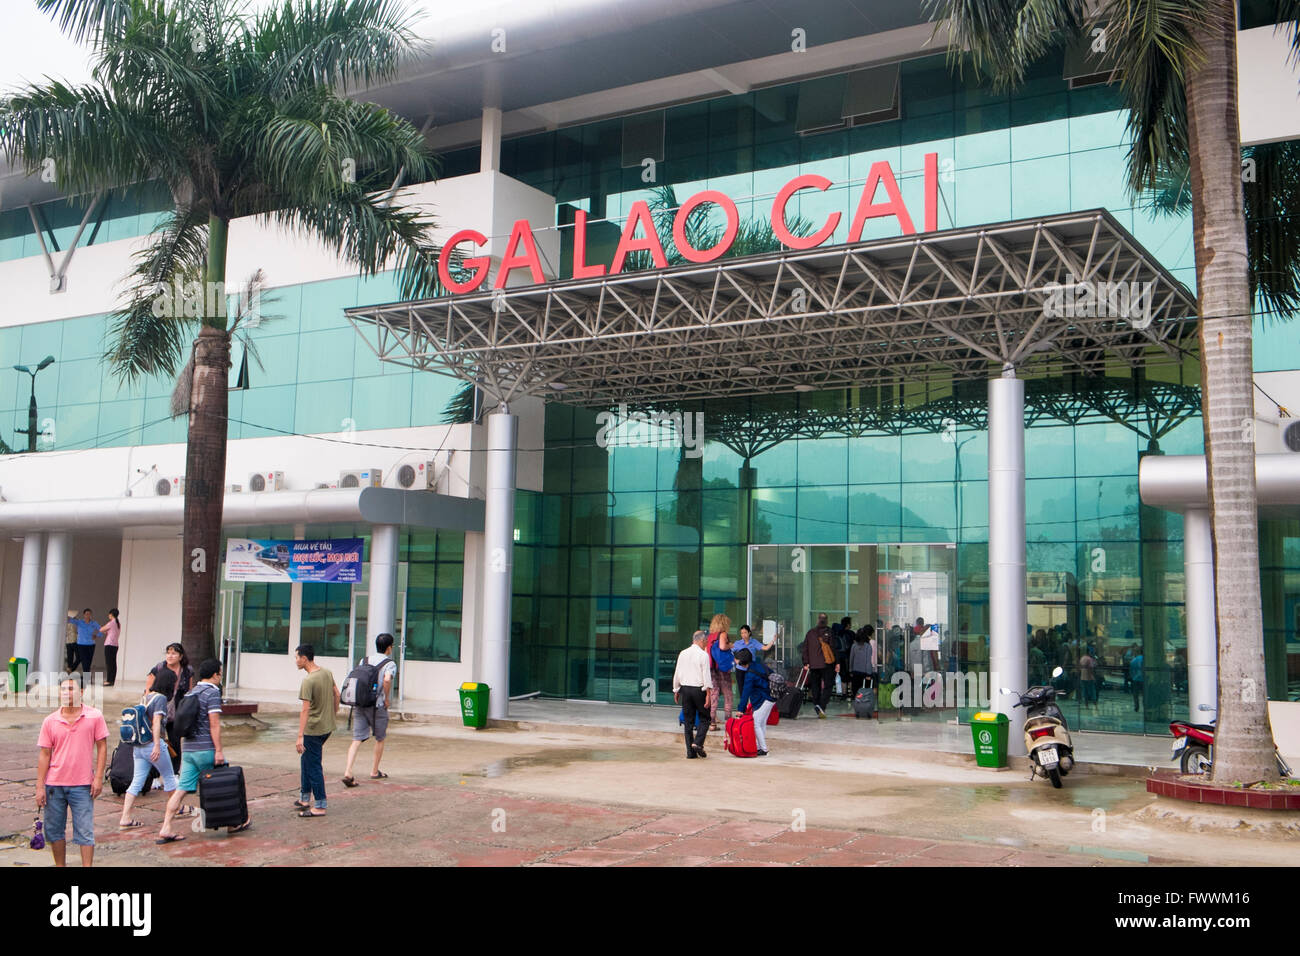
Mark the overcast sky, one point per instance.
(31, 46)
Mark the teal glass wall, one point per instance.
(308, 372)
(629, 549)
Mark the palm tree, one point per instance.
(239, 114)
(1176, 67)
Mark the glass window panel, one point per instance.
(1049, 452)
(778, 466)
(633, 518)
(723, 572)
(677, 573)
(774, 516)
(1107, 508)
(632, 571)
(929, 512)
(590, 468)
(875, 513)
(588, 571)
(1106, 449)
(1049, 509)
(591, 524)
(723, 515)
(634, 466)
(875, 459)
(823, 514)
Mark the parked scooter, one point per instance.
(1047, 738)
(1194, 746)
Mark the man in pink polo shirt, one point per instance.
(65, 778)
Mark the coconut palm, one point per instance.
(240, 114)
(1175, 64)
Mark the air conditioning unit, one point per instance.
(266, 481)
(1291, 436)
(169, 486)
(419, 476)
(361, 478)
(234, 489)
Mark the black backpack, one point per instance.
(186, 723)
(361, 689)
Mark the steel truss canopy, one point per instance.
(941, 306)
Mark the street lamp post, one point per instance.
(30, 431)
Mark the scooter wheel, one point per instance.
(1055, 774)
(1195, 759)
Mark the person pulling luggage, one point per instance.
(757, 693)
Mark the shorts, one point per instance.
(57, 801)
(142, 764)
(193, 763)
(368, 720)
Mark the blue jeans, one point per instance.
(57, 802)
(142, 765)
(313, 775)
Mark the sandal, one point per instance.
(129, 826)
(379, 775)
(349, 781)
(299, 805)
(242, 827)
(308, 814)
(187, 811)
(169, 839)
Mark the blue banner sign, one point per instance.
(337, 560)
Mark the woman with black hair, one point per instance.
(112, 632)
(176, 661)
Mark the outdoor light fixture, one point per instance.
(749, 370)
(30, 431)
(557, 386)
(804, 387)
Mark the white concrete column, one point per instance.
(381, 613)
(498, 556)
(1202, 639)
(28, 622)
(490, 141)
(1008, 647)
(54, 607)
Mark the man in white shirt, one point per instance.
(691, 684)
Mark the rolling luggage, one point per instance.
(741, 741)
(864, 705)
(788, 704)
(121, 769)
(222, 798)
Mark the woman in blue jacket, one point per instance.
(758, 693)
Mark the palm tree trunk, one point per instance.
(1243, 748)
(205, 457)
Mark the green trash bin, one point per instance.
(989, 732)
(474, 704)
(17, 674)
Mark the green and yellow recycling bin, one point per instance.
(18, 674)
(989, 732)
(474, 704)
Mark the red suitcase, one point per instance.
(741, 741)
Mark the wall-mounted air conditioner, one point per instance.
(1291, 436)
(417, 477)
(266, 481)
(169, 486)
(361, 478)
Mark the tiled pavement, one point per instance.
(390, 823)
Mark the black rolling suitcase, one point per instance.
(222, 798)
(790, 702)
(121, 769)
(864, 705)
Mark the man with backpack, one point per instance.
(368, 690)
(198, 724)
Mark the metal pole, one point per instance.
(28, 621)
(1202, 640)
(381, 612)
(1008, 644)
(54, 609)
(31, 419)
(498, 555)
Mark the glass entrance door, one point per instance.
(357, 628)
(887, 586)
(230, 628)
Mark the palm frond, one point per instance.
(89, 21)
(1272, 205)
(1004, 37)
(92, 139)
(149, 337)
(313, 43)
(460, 408)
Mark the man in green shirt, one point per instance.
(320, 701)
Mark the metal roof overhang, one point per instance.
(941, 306)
